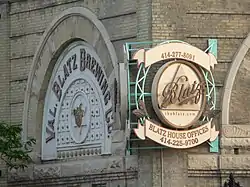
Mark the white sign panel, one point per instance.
(78, 107)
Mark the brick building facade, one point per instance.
(34, 34)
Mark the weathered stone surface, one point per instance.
(206, 162)
(236, 131)
(235, 142)
(235, 162)
(240, 98)
(105, 166)
(128, 20)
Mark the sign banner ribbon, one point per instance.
(176, 139)
(175, 50)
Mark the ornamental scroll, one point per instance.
(176, 139)
(179, 96)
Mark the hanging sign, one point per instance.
(179, 96)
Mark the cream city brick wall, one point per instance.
(144, 20)
(29, 19)
(195, 22)
(5, 65)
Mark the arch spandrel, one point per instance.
(239, 112)
(234, 106)
(74, 24)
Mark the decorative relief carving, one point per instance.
(202, 162)
(236, 131)
(15, 175)
(115, 164)
(235, 142)
(78, 110)
(47, 172)
(235, 162)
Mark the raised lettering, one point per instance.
(66, 73)
(109, 116)
(57, 90)
(104, 86)
(82, 59)
(93, 63)
(69, 65)
(50, 130)
(61, 81)
(53, 113)
(107, 97)
(74, 62)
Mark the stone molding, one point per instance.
(206, 162)
(218, 173)
(90, 178)
(82, 171)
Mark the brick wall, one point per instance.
(195, 22)
(28, 21)
(4, 60)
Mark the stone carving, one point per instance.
(14, 175)
(236, 131)
(115, 164)
(79, 114)
(78, 105)
(50, 172)
(202, 162)
(235, 162)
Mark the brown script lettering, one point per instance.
(181, 92)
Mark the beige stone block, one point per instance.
(235, 161)
(104, 164)
(235, 142)
(118, 148)
(118, 136)
(47, 171)
(71, 169)
(236, 131)
(196, 161)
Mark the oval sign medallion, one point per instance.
(80, 117)
(178, 94)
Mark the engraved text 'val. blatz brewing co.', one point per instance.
(178, 95)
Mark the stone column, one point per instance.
(169, 168)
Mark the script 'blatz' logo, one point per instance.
(179, 94)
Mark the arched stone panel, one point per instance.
(240, 98)
(229, 82)
(74, 24)
(235, 100)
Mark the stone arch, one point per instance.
(230, 79)
(76, 23)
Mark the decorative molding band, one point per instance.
(27, 34)
(127, 13)
(218, 173)
(216, 36)
(219, 13)
(89, 178)
(51, 4)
